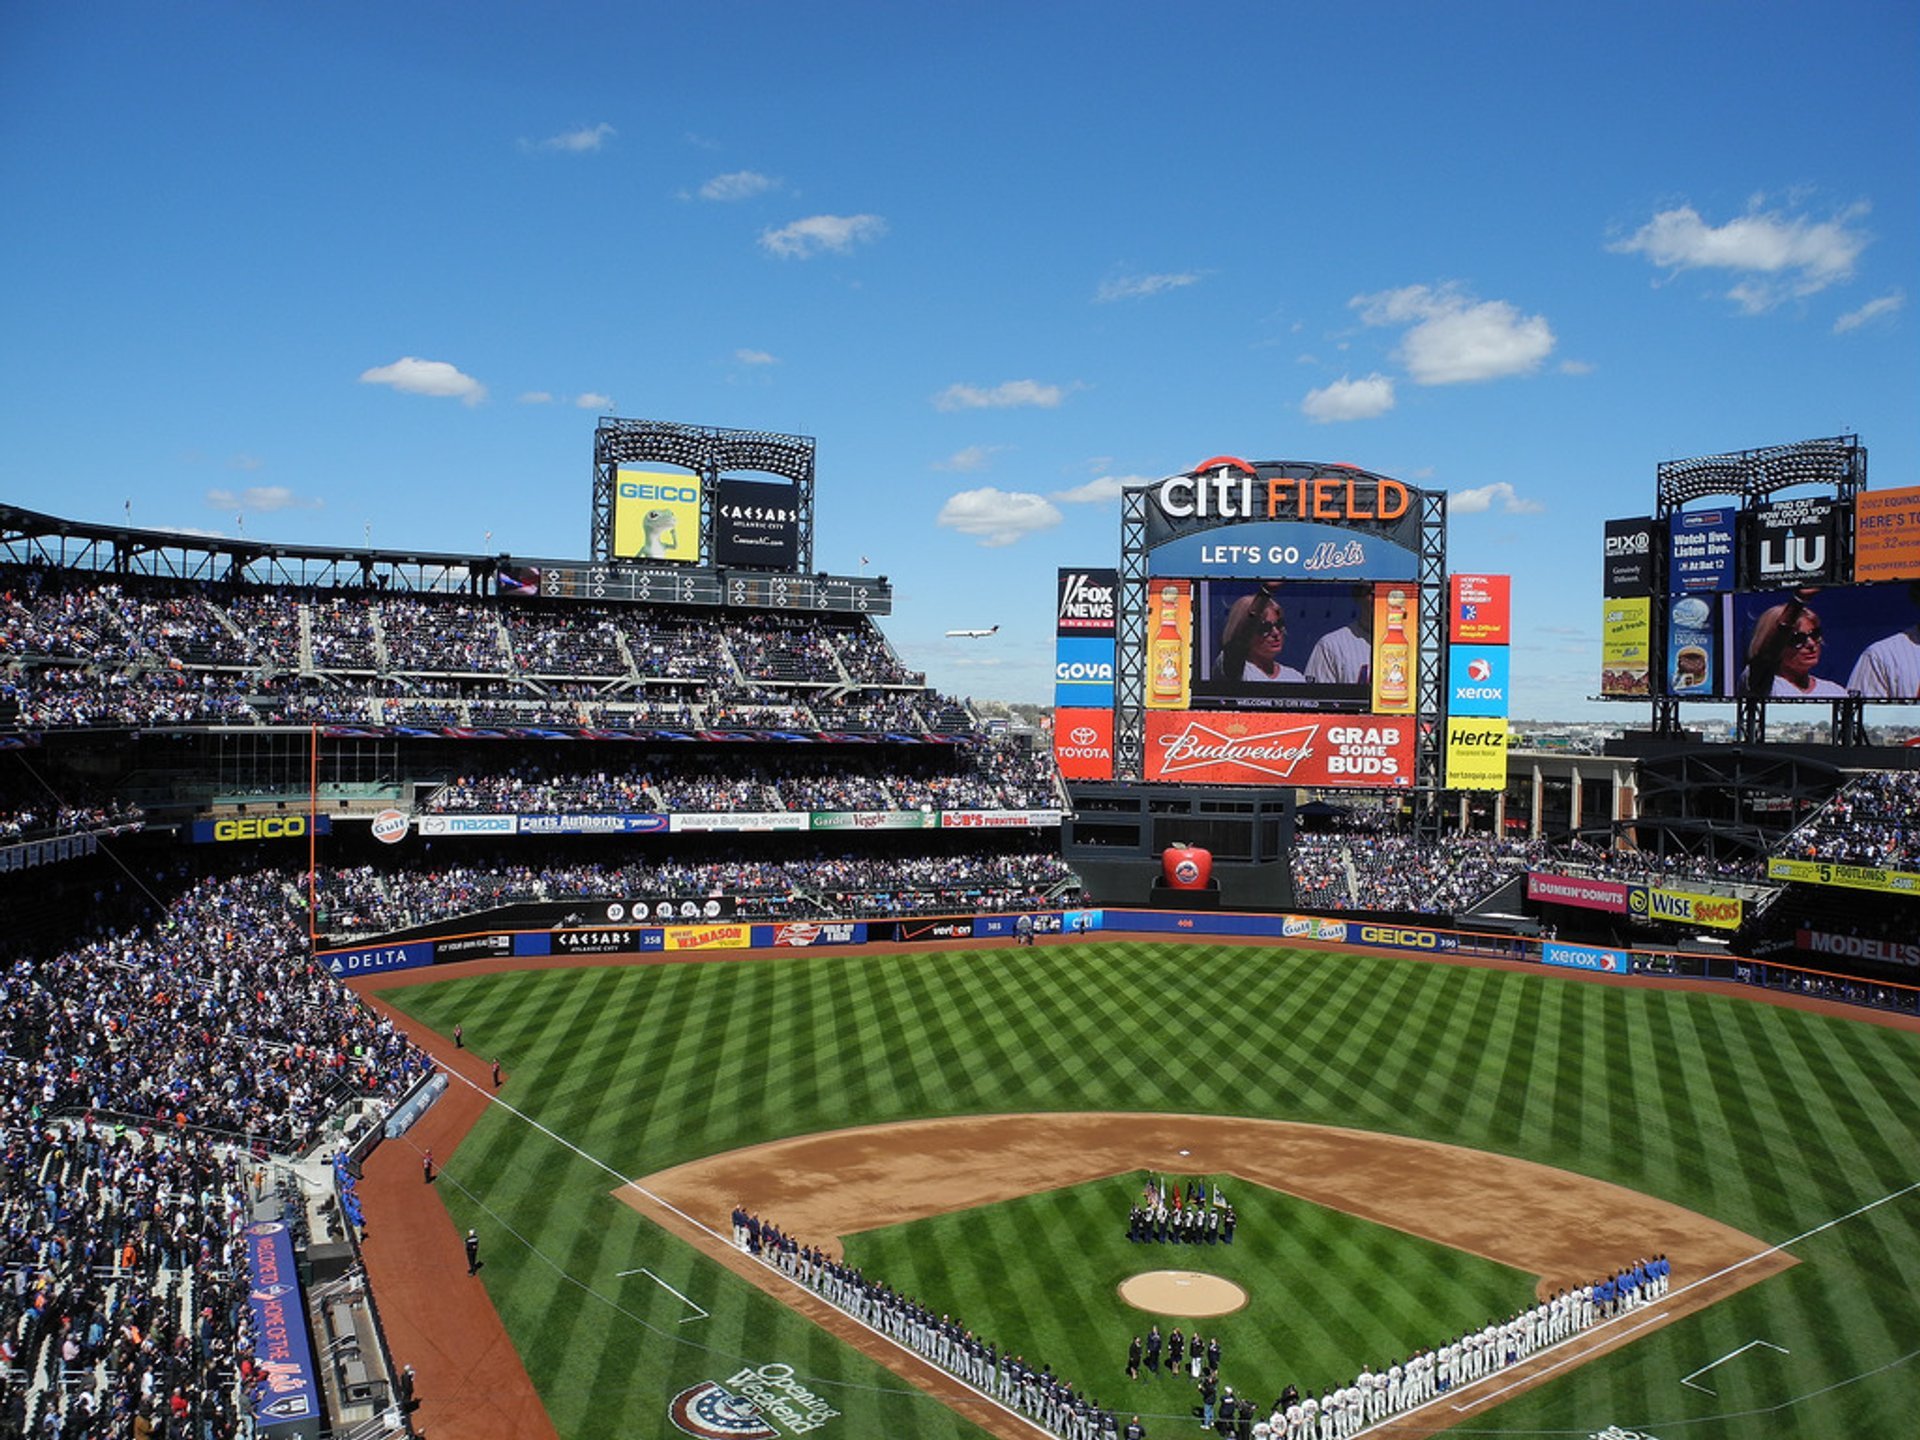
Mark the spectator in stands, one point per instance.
(1781, 655)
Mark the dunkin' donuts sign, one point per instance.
(1275, 749)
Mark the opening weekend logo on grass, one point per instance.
(713, 1411)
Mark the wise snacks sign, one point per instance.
(1207, 747)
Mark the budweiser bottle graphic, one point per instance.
(1166, 656)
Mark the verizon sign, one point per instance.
(1206, 747)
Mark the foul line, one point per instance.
(1687, 1380)
(1587, 1354)
(623, 1274)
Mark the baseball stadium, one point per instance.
(488, 995)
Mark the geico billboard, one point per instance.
(656, 515)
(258, 827)
(1208, 747)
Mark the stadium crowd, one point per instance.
(1873, 820)
(143, 1068)
(1374, 869)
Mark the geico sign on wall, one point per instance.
(1083, 743)
(1208, 747)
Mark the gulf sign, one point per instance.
(1480, 609)
(1207, 747)
(1477, 680)
(1083, 743)
(656, 516)
(1083, 671)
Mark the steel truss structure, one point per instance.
(709, 452)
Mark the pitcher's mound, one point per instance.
(1182, 1292)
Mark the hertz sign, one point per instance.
(258, 827)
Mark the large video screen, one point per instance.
(1304, 645)
(656, 516)
(1802, 644)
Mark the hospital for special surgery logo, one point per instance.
(712, 1412)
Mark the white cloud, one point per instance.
(260, 499)
(244, 461)
(536, 397)
(998, 517)
(1877, 309)
(592, 400)
(738, 185)
(806, 238)
(1008, 395)
(974, 457)
(1481, 499)
(756, 357)
(1453, 338)
(1347, 399)
(1099, 490)
(577, 142)
(1134, 287)
(1783, 256)
(414, 376)
(1576, 367)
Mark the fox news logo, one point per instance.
(1087, 599)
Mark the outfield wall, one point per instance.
(724, 939)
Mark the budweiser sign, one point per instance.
(1265, 749)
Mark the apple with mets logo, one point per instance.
(1186, 867)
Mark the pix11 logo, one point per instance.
(712, 1412)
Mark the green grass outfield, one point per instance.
(1773, 1120)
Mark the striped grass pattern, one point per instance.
(1773, 1120)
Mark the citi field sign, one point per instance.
(1289, 520)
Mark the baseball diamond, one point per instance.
(1554, 1124)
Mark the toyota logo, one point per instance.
(1084, 735)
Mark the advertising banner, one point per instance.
(1396, 644)
(472, 947)
(757, 523)
(651, 824)
(1631, 548)
(1403, 937)
(872, 820)
(1852, 877)
(1477, 680)
(433, 825)
(1578, 891)
(1701, 550)
(1586, 957)
(606, 940)
(1626, 647)
(281, 1345)
(998, 819)
(1044, 923)
(656, 516)
(1476, 753)
(1227, 490)
(1684, 907)
(1794, 542)
(1169, 645)
(1083, 671)
(1083, 743)
(1856, 947)
(1312, 927)
(258, 827)
(1205, 747)
(942, 929)
(373, 959)
(709, 937)
(755, 822)
(1287, 645)
(806, 934)
(1087, 602)
(1825, 644)
(1284, 552)
(1886, 534)
(1697, 651)
(1481, 607)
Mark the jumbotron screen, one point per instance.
(1258, 682)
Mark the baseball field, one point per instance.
(1509, 1104)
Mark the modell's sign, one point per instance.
(1087, 603)
(1205, 747)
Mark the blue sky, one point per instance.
(332, 267)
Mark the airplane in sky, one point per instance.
(971, 634)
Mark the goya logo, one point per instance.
(712, 1412)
